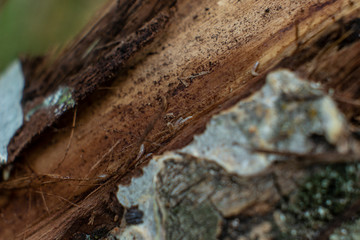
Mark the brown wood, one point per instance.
(189, 58)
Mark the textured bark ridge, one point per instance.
(143, 79)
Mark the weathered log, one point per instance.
(140, 70)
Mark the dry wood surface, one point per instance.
(142, 64)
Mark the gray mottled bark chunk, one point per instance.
(221, 186)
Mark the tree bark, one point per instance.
(133, 73)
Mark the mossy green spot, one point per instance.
(348, 231)
(320, 197)
(187, 221)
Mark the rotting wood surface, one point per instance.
(180, 59)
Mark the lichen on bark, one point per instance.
(195, 193)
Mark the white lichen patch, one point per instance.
(141, 193)
(61, 101)
(11, 114)
(285, 115)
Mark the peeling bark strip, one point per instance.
(93, 61)
(199, 64)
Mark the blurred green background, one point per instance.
(36, 26)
